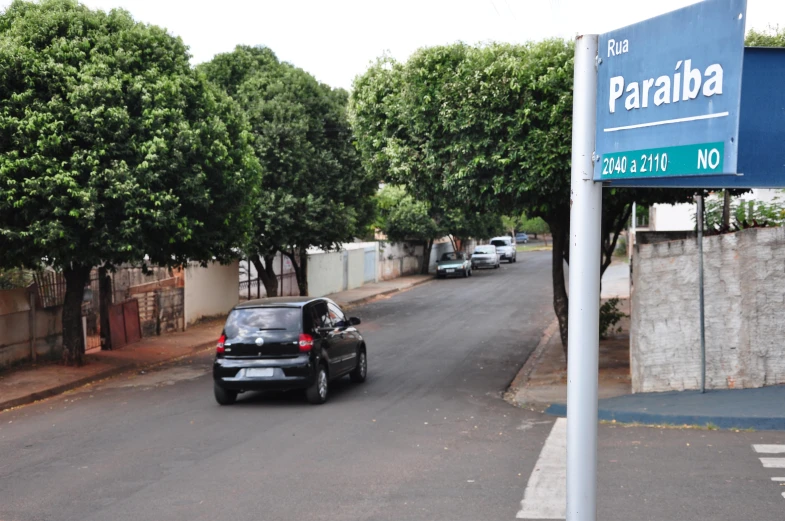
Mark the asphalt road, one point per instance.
(426, 437)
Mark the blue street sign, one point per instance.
(668, 96)
(761, 154)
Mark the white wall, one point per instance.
(356, 268)
(681, 217)
(325, 273)
(672, 217)
(331, 272)
(399, 259)
(764, 195)
(210, 291)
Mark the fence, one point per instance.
(51, 288)
(254, 288)
(28, 330)
(161, 311)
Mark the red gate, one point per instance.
(124, 325)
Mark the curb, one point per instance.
(109, 373)
(528, 367)
(365, 300)
(651, 419)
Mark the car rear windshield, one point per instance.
(499, 243)
(242, 322)
(484, 251)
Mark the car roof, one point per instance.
(505, 238)
(294, 302)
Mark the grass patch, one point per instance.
(533, 247)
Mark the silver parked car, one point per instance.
(485, 256)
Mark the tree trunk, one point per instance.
(300, 265)
(559, 232)
(426, 256)
(105, 294)
(266, 272)
(610, 237)
(76, 277)
(726, 211)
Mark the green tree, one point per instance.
(402, 218)
(745, 213)
(485, 128)
(317, 194)
(511, 223)
(533, 226)
(15, 278)
(112, 148)
(467, 224)
(770, 37)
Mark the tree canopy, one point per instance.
(317, 194)
(403, 218)
(113, 148)
(486, 128)
(770, 37)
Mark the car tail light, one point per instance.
(219, 348)
(306, 343)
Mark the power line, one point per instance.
(494, 8)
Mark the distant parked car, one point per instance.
(521, 237)
(485, 256)
(287, 343)
(453, 264)
(505, 247)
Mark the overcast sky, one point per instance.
(336, 39)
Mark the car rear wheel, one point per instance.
(317, 392)
(360, 372)
(224, 396)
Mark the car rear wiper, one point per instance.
(272, 329)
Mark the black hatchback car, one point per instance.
(287, 343)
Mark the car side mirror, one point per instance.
(355, 321)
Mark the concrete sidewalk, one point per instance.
(757, 409)
(364, 294)
(31, 383)
(542, 384)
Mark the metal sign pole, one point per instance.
(584, 292)
(699, 222)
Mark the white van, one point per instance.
(505, 247)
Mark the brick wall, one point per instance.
(745, 312)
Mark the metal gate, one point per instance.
(370, 264)
(124, 325)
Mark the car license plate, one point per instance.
(450, 270)
(259, 373)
